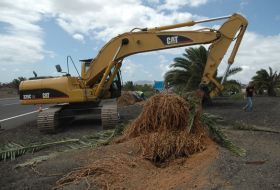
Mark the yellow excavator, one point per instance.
(100, 77)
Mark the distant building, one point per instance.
(159, 86)
(143, 82)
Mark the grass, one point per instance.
(238, 96)
(148, 94)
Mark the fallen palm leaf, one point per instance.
(249, 127)
(211, 122)
(258, 162)
(13, 150)
(36, 160)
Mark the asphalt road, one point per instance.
(12, 114)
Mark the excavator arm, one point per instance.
(233, 29)
(107, 63)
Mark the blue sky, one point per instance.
(36, 35)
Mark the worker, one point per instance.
(249, 95)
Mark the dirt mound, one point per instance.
(120, 166)
(127, 98)
(167, 128)
(108, 172)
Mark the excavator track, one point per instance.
(109, 116)
(48, 120)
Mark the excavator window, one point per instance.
(87, 65)
(116, 86)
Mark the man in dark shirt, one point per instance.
(249, 95)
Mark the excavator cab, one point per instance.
(85, 64)
(115, 88)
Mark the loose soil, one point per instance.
(214, 168)
(127, 98)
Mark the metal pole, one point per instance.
(212, 19)
(225, 74)
(106, 73)
(190, 23)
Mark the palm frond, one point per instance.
(249, 127)
(188, 69)
(210, 121)
(13, 150)
(233, 71)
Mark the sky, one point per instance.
(37, 35)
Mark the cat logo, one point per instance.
(172, 40)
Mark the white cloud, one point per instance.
(20, 49)
(256, 52)
(176, 4)
(132, 71)
(79, 37)
(164, 64)
(153, 1)
(104, 22)
(16, 70)
(243, 3)
(21, 39)
(129, 69)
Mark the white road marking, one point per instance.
(1, 99)
(10, 104)
(21, 115)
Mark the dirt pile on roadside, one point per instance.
(127, 98)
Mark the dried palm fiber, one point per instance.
(160, 147)
(167, 128)
(162, 111)
(103, 173)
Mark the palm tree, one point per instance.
(16, 82)
(267, 80)
(129, 86)
(231, 85)
(187, 70)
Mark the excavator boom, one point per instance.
(162, 38)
